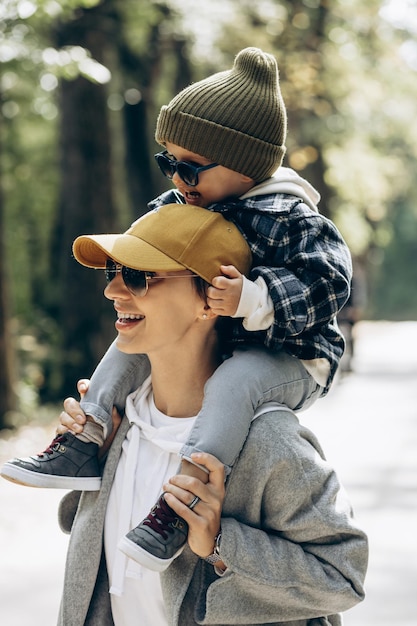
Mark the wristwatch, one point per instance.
(215, 558)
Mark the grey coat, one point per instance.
(294, 553)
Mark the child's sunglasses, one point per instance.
(135, 280)
(186, 171)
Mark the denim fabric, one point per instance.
(117, 375)
(238, 387)
(224, 421)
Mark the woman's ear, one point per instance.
(206, 313)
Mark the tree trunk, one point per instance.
(8, 399)
(139, 172)
(85, 206)
(306, 126)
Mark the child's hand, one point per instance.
(82, 386)
(224, 294)
(73, 417)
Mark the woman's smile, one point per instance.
(127, 317)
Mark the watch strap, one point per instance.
(215, 556)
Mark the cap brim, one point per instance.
(94, 250)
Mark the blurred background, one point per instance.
(81, 84)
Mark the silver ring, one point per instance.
(194, 502)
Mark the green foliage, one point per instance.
(394, 295)
(29, 183)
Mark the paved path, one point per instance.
(368, 428)
(32, 547)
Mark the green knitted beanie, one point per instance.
(236, 118)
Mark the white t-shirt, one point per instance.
(149, 457)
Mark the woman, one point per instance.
(277, 544)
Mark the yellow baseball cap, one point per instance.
(171, 238)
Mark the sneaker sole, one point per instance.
(27, 478)
(145, 558)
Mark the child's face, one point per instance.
(214, 185)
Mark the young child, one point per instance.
(225, 142)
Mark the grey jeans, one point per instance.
(242, 383)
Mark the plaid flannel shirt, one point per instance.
(306, 265)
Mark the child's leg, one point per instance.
(251, 377)
(239, 386)
(117, 375)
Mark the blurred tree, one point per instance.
(90, 180)
(8, 398)
(393, 274)
(96, 64)
(26, 196)
(86, 196)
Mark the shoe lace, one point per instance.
(160, 518)
(53, 445)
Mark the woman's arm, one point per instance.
(289, 541)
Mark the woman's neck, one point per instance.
(178, 379)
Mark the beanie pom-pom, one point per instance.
(257, 64)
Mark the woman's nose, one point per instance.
(116, 288)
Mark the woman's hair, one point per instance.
(224, 325)
(201, 287)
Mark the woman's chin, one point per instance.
(125, 346)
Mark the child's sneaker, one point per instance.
(67, 463)
(158, 539)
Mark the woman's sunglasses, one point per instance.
(186, 171)
(136, 280)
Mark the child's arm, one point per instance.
(308, 280)
(234, 295)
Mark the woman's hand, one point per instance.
(204, 518)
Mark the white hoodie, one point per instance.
(286, 180)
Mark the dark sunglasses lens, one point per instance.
(135, 280)
(187, 173)
(110, 271)
(166, 166)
